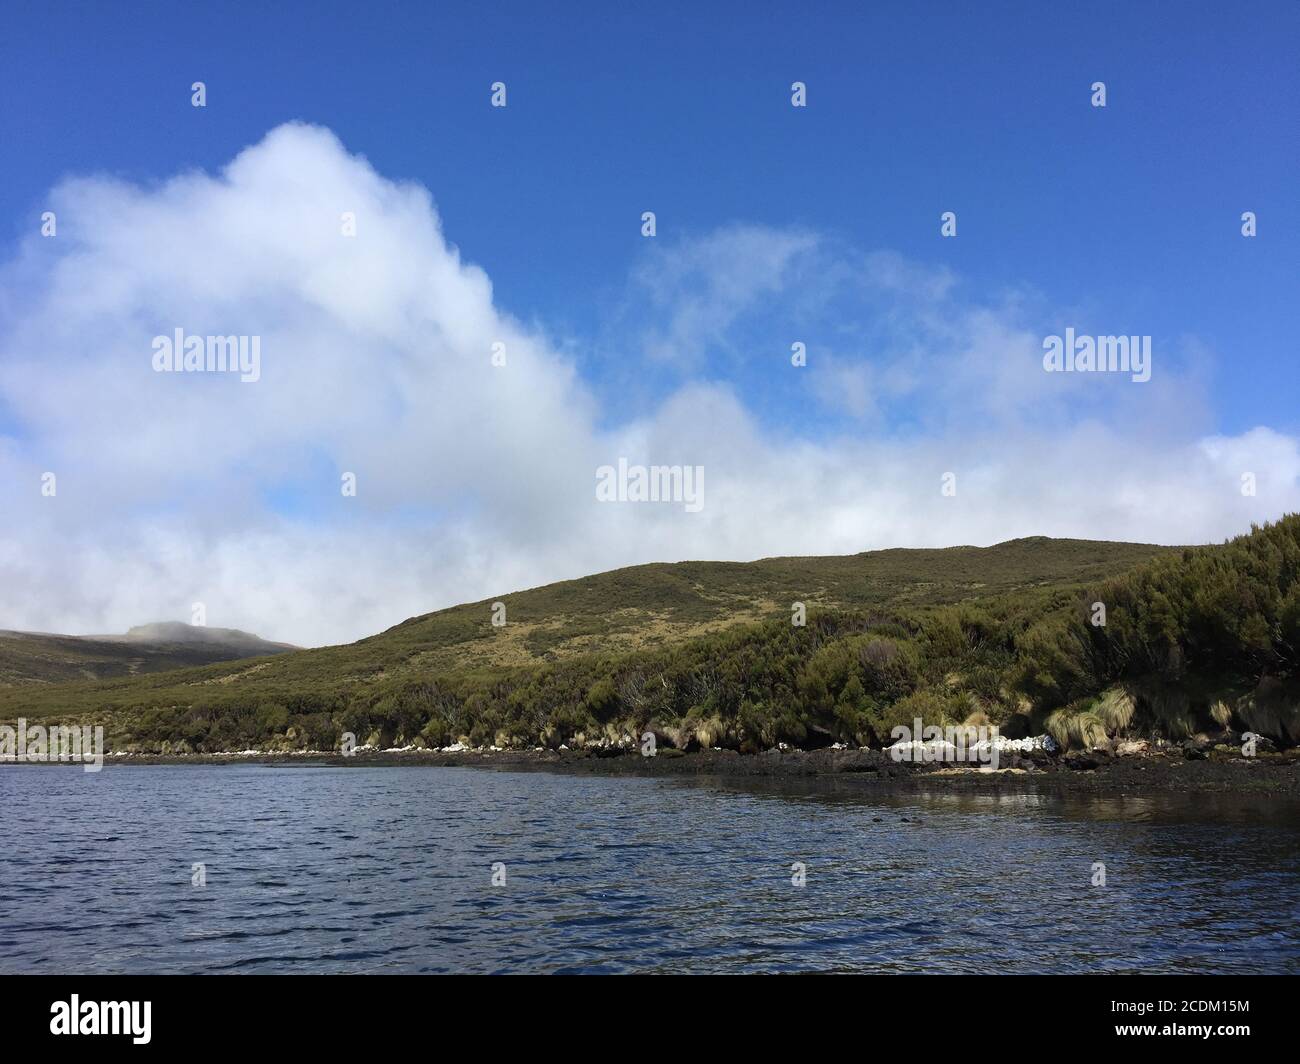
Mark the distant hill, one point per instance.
(166, 633)
(42, 658)
(637, 610)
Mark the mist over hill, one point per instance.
(47, 658)
(168, 632)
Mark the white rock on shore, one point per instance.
(943, 750)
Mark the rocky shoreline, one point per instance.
(1133, 768)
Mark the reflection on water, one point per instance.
(1221, 808)
(390, 869)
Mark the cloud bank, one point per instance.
(474, 479)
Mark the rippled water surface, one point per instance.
(390, 870)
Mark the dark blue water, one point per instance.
(390, 870)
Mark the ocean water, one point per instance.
(321, 869)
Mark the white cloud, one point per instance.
(474, 479)
(698, 288)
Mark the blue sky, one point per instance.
(1129, 213)
(523, 225)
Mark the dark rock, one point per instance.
(1263, 744)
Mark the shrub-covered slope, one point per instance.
(639, 611)
(705, 654)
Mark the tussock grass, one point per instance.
(1115, 709)
(1077, 728)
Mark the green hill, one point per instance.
(626, 611)
(706, 654)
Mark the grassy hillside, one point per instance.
(37, 658)
(705, 654)
(639, 610)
